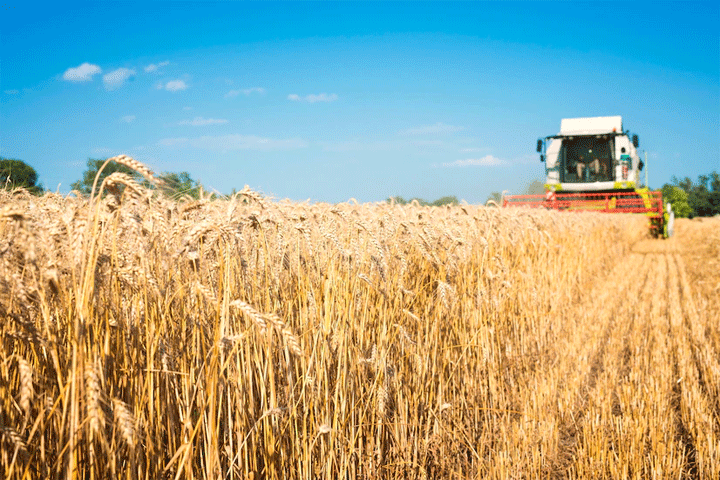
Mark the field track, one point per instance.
(641, 361)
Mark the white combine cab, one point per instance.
(591, 155)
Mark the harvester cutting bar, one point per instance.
(610, 202)
(643, 201)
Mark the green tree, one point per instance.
(447, 200)
(714, 195)
(93, 166)
(703, 197)
(686, 184)
(16, 173)
(536, 187)
(715, 182)
(678, 198)
(495, 197)
(398, 200)
(177, 185)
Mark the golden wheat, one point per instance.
(244, 337)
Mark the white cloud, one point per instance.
(431, 129)
(127, 118)
(235, 142)
(244, 91)
(101, 151)
(486, 161)
(323, 97)
(154, 67)
(312, 98)
(12, 92)
(187, 109)
(116, 78)
(174, 86)
(83, 73)
(200, 121)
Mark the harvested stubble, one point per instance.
(146, 338)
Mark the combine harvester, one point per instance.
(593, 165)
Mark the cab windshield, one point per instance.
(587, 159)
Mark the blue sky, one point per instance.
(331, 101)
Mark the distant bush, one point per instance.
(447, 200)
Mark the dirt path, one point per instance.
(637, 393)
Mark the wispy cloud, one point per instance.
(83, 73)
(431, 129)
(101, 151)
(244, 91)
(234, 142)
(486, 161)
(127, 118)
(200, 121)
(312, 98)
(116, 78)
(153, 67)
(172, 86)
(175, 85)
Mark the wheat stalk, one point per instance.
(93, 399)
(124, 422)
(27, 390)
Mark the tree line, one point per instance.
(694, 199)
(448, 200)
(17, 174)
(689, 199)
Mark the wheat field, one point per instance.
(235, 338)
